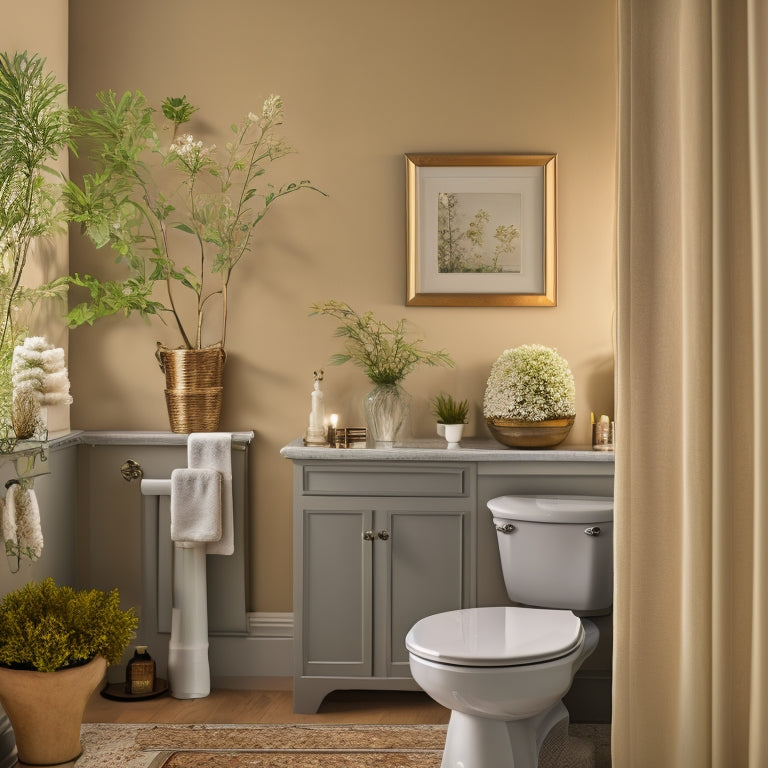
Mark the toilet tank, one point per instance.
(556, 551)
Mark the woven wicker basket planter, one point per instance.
(194, 388)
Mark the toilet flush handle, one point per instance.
(593, 531)
(506, 528)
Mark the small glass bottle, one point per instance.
(140, 672)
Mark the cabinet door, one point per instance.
(424, 573)
(336, 592)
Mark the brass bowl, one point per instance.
(530, 434)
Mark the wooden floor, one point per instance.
(237, 706)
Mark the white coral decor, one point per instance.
(530, 383)
(38, 368)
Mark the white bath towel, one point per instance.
(213, 450)
(195, 505)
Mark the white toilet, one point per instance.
(504, 670)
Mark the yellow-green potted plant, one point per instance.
(387, 356)
(55, 645)
(529, 397)
(179, 215)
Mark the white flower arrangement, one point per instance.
(530, 383)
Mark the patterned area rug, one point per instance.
(305, 746)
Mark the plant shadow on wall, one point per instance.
(180, 216)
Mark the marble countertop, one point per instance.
(435, 449)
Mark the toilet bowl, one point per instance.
(503, 671)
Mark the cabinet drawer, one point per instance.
(385, 480)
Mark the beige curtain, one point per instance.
(691, 607)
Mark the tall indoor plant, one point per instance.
(387, 356)
(180, 216)
(55, 645)
(34, 130)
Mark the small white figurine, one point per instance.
(316, 430)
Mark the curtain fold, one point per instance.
(691, 603)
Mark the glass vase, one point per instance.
(386, 408)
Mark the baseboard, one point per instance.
(260, 660)
(270, 624)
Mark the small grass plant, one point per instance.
(448, 410)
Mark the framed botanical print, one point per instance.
(481, 230)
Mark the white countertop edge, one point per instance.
(472, 449)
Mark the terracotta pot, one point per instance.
(46, 709)
(194, 388)
(530, 434)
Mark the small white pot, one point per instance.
(453, 434)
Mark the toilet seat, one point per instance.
(503, 636)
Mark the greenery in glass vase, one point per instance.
(530, 383)
(140, 189)
(383, 351)
(34, 129)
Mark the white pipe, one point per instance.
(156, 487)
(189, 675)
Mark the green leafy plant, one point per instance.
(48, 627)
(448, 410)
(179, 215)
(381, 350)
(34, 129)
(530, 383)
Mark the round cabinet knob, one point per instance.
(369, 536)
(383, 535)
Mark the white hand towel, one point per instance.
(213, 450)
(195, 505)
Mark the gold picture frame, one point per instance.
(481, 230)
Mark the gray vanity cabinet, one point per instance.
(356, 594)
(375, 549)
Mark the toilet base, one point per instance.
(480, 742)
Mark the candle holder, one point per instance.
(602, 436)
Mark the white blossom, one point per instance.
(273, 104)
(530, 383)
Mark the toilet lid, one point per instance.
(495, 637)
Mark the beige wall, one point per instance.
(363, 83)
